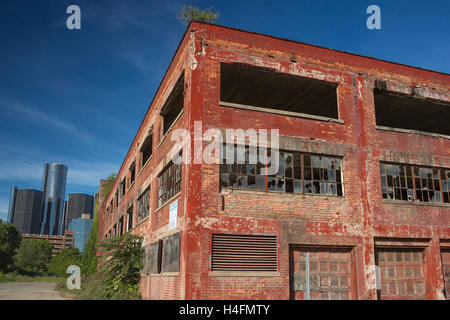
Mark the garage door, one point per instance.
(401, 274)
(321, 274)
(446, 271)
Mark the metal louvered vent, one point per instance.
(244, 253)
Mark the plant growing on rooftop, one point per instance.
(194, 13)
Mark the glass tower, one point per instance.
(54, 189)
(12, 202)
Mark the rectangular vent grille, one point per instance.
(244, 253)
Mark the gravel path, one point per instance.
(29, 291)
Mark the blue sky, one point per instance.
(78, 97)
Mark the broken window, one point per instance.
(130, 218)
(169, 182)
(116, 203)
(406, 112)
(173, 106)
(445, 176)
(147, 148)
(414, 183)
(231, 252)
(143, 205)
(171, 253)
(122, 188)
(297, 173)
(249, 86)
(132, 172)
(120, 231)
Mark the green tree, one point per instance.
(108, 184)
(194, 13)
(60, 261)
(9, 242)
(34, 255)
(121, 265)
(89, 257)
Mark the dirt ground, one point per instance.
(29, 291)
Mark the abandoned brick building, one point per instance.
(359, 208)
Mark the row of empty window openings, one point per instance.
(263, 88)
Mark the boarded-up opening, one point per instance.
(152, 258)
(174, 105)
(406, 112)
(244, 253)
(322, 274)
(263, 88)
(171, 253)
(445, 253)
(401, 273)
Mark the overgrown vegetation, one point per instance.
(108, 184)
(9, 243)
(194, 13)
(60, 261)
(89, 258)
(32, 260)
(121, 265)
(34, 255)
(119, 275)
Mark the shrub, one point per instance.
(121, 265)
(34, 255)
(88, 261)
(60, 261)
(194, 13)
(9, 242)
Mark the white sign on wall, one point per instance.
(173, 215)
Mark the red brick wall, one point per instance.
(354, 220)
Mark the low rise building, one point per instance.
(359, 207)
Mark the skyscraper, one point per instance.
(12, 203)
(27, 210)
(78, 204)
(54, 189)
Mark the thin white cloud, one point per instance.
(122, 14)
(89, 173)
(23, 112)
(27, 164)
(137, 60)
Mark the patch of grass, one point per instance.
(18, 277)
